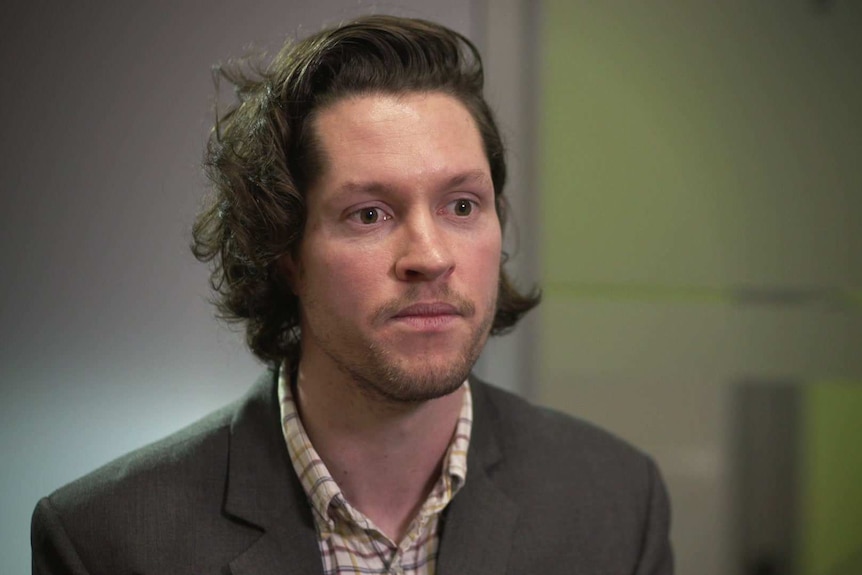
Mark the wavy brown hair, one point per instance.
(262, 158)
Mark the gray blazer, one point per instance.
(545, 494)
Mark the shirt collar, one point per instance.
(324, 494)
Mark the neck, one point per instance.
(385, 455)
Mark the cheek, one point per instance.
(482, 276)
(346, 279)
(490, 274)
(487, 261)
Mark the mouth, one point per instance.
(427, 310)
(428, 316)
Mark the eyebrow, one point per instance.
(460, 179)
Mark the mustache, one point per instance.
(416, 294)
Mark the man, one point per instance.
(356, 230)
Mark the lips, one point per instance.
(427, 310)
(428, 318)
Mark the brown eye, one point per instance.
(463, 207)
(369, 215)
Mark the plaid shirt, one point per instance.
(350, 543)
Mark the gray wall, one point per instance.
(108, 341)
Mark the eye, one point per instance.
(370, 215)
(462, 207)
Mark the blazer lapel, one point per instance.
(480, 521)
(263, 491)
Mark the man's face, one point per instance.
(397, 272)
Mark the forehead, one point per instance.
(418, 136)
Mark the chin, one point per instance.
(411, 383)
(419, 391)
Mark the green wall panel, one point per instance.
(831, 502)
(699, 145)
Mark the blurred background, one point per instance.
(686, 187)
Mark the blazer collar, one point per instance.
(480, 521)
(263, 490)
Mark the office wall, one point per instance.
(700, 180)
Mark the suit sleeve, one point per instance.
(656, 557)
(53, 550)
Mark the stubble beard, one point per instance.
(382, 374)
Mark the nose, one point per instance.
(425, 252)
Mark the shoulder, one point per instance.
(540, 435)
(566, 475)
(150, 499)
(546, 457)
(565, 455)
(182, 456)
